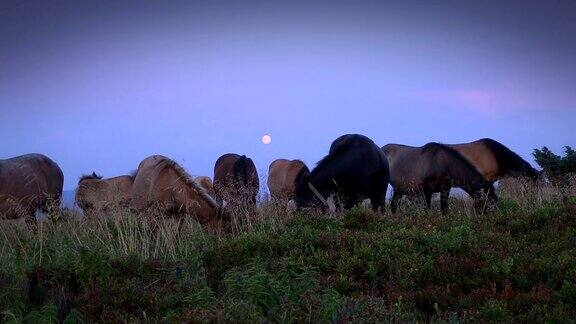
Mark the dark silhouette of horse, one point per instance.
(28, 183)
(354, 169)
(430, 169)
(236, 180)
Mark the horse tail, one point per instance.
(240, 169)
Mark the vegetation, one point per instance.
(557, 169)
(518, 264)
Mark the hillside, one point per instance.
(518, 264)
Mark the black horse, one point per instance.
(354, 169)
(429, 169)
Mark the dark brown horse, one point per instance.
(236, 180)
(163, 187)
(354, 169)
(283, 175)
(494, 161)
(429, 169)
(28, 183)
(94, 193)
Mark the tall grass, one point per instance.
(516, 264)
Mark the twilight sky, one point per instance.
(100, 85)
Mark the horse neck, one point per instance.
(323, 181)
(465, 176)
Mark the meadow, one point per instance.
(517, 264)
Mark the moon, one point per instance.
(266, 139)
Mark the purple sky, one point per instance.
(98, 87)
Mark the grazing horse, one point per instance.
(206, 183)
(283, 175)
(236, 180)
(355, 168)
(494, 161)
(94, 193)
(429, 169)
(28, 183)
(165, 188)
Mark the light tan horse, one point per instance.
(283, 176)
(28, 183)
(494, 161)
(163, 187)
(97, 194)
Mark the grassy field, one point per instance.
(518, 264)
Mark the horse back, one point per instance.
(481, 156)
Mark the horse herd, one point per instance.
(354, 169)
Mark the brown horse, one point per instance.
(28, 183)
(429, 169)
(163, 187)
(236, 180)
(283, 176)
(94, 193)
(494, 161)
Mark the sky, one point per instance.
(100, 85)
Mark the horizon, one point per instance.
(99, 87)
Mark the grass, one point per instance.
(518, 264)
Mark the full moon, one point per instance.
(266, 139)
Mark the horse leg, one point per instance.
(428, 197)
(492, 198)
(378, 202)
(51, 207)
(31, 221)
(444, 195)
(349, 203)
(396, 198)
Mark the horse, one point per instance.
(430, 169)
(94, 193)
(28, 183)
(495, 161)
(206, 183)
(236, 180)
(355, 168)
(283, 175)
(163, 187)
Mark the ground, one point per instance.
(518, 264)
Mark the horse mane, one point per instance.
(188, 180)
(133, 174)
(434, 148)
(301, 174)
(508, 161)
(92, 176)
(335, 151)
